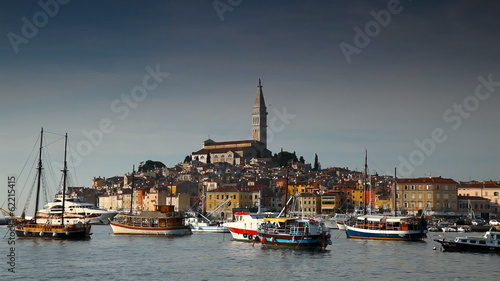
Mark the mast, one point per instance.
(395, 191)
(65, 175)
(286, 189)
(364, 184)
(132, 189)
(39, 180)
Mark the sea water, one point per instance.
(214, 256)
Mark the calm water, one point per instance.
(210, 256)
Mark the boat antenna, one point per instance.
(39, 175)
(65, 175)
(132, 189)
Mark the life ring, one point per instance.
(311, 221)
(245, 235)
(250, 237)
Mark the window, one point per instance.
(495, 193)
(429, 195)
(420, 195)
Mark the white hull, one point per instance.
(215, 229)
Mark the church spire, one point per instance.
(259, 117)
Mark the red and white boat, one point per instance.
(245, 225)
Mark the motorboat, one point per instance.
(489, 242)
(77, 207)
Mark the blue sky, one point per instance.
(406, 86)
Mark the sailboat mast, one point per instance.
(286, 189)
(65, 175)
(364, 184)
(132, 189)
(395, 191)
(39, 180)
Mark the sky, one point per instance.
(414, 83)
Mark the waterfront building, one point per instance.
(222, 200)
(331, 202)
(413, 194)
(474, 207)
(485, 189)
(307, 204)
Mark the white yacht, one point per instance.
(78, 207)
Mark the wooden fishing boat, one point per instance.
(163, 221)
(293, 233)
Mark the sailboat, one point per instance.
(54, 226)
(383, 227)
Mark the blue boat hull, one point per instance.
(405, 235)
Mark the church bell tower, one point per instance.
(259, 117)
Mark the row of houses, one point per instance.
(220, 190)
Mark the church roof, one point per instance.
(259, 97)
(213, 150)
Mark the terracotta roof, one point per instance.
(426, 180)
(215, 150)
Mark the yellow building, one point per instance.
(308, 204)
(221, 201)
(330, 202)
(413, 194)
(358, 196)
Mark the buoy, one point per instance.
(41, 233)
(25, 233)
(54, 234)
(434, 248)
(263, 239)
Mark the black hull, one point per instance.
(465, 247)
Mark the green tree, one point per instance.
(301, 160)
(316, 166)
(284, 157)
(150, 165)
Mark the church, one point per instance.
(240, 151)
